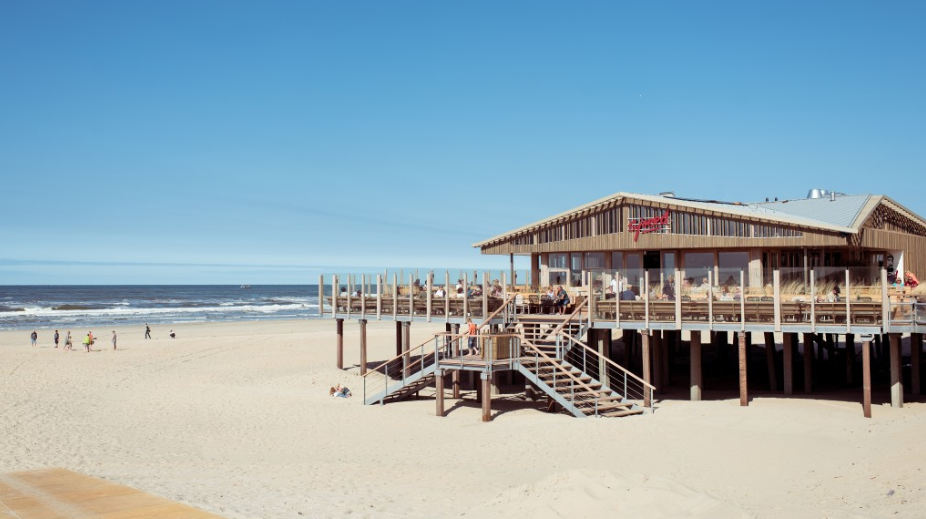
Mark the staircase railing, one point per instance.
(503, 307)
(402, 369)
(567, 320)
(579, 396)
(607, 372)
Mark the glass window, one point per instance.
(730, 264)
(557, 260)
(697, 266)
(633, 269)
(594, 261)
(617, 261)
(575, 270)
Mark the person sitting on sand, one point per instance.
(172, 335)
(340, 391)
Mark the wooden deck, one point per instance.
(60, 493)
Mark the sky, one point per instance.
(205, 142)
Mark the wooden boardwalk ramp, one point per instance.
(62, 494)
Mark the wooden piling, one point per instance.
(439, 389)
(744, 393)
(896, 375)
(363, 346)
(340, 352)
(790, 339)
(808, 362)
(647, 396)
(866, 378)
(850, 357)
(398, 338)
(657, 362)
(486, 398)
(695, 356)
(916, 347)
(770, 360)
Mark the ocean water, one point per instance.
(27, 307)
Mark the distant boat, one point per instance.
(245, 286)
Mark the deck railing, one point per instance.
(794, 298)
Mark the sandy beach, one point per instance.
(236, 419)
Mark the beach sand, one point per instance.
(236, 419)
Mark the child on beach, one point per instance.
(114, 339)
(56, 338)
(68, 344)
(340, 391)
(34, 338)
(472, 330)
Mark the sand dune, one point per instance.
(235, 419)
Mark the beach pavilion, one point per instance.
(665, 274)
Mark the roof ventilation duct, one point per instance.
(818, 193)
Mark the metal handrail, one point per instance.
(569, 319)
(611, 362)
(557, 365)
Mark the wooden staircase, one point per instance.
(577, 392)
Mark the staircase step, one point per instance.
(618, 414)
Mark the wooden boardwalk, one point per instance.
(62, 494)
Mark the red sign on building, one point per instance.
(640, 226)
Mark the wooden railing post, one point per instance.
(813, 301)
(447, 296)
(678, 301)
(379, 297)
(321, 296)
(885, 303)
(710, 300)
(848, 308)
(395, 295)
(429, 284)
(363, 296)
(776, 280)
(465, 295)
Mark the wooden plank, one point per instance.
(379, 297)
(60, 493)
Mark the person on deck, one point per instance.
(472, 331)
(627, 294)
(562, 299)
(911, 280)
(668, 289)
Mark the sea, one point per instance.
(28, 307)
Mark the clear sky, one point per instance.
(257, 142)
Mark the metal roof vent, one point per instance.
(669, 194)
(832, 196)
(818, 193)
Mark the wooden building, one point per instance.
(629, 233)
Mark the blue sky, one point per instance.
(231, 142)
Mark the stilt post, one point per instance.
(340, 355)
(788, 362)
(916, 347)
(808, 362)
(486, 398)
(770, 360)
(439, 389)
(866, 377)
(695, 356)
(896, 375)
(744, 392)
(647, 395)
(363, 346)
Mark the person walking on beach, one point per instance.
(56, 338)
(87, 342)
(147, 331)
(34, 338)
(68, 344)
(114, 339)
